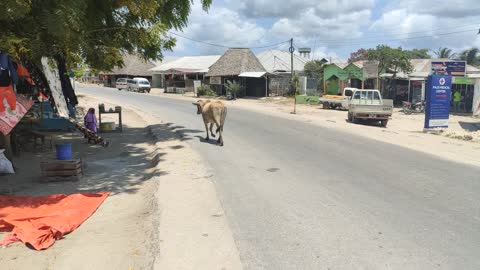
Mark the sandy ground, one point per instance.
(146, 222)
(460, 142)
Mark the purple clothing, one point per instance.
(90, 121)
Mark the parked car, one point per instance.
(337, 101)
(367, 104)
(141, 85)
(121, 84)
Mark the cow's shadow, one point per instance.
(211, 141)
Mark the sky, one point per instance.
(331, 28)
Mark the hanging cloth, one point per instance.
(8, 73)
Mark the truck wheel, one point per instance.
(384, 123)
(326, 105)
(350, 118)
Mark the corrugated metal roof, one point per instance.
(252, 74)
(277, 60)
(188, 63)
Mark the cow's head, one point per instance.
(200, 105)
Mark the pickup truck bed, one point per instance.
(372, 112)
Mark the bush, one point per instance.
(233, 88)
(205, 91)
(311, 92)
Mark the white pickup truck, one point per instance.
(367, 104)
(337, 101)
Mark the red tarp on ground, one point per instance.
(40, 221)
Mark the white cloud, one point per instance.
(219, 26)
(430, 24)
(340, 26)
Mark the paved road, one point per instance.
(302, 197)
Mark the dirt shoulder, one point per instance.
(162, 212)
(121, 233)
(460, 142)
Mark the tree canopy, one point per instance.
(443, 52)
(360, 54)
(97, 32)
(390, 59)
(314, 68)
(419, 54)
(471, 56)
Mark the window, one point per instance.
(376, 96)
(370, 95)
(357, 95)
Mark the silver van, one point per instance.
(121, 84)
(141, 85)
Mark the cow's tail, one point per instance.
(222, 119)
(224, 115)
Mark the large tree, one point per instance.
(444, 52)
(392, 60)
(419, 54)
(96, 32)
(360, 54)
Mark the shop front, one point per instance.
(466, 88)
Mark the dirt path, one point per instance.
(159, 214)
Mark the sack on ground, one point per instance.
(6, 166)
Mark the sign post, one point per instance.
(437, 96)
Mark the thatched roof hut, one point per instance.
(133, 65)
(234, 62)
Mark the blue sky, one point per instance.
(332, 28)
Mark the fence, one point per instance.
(279, 86)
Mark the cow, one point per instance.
(213, 112)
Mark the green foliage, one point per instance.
(419, 54)
(390, 59)
(233, 88)
(444, 53)
(293, 85)
(96, 31)
(471, 56)
(205, 91)
(311, 92)
(314, 69)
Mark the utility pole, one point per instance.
(291, 50)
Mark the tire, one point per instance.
(350, 117)
(384, 123)
(326, 105)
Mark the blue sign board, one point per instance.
(451, 68)
(437, 97)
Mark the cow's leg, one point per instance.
(220, 131)
(211, 131)
(206, 129)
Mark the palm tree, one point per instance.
(471, 56)
(444, 53)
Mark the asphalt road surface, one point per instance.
(298, 196)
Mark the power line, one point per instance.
(393, 35)
(342, 42)
(225, 46)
